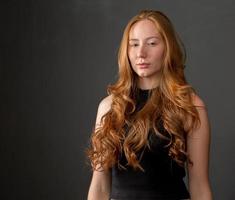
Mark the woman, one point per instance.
(152, 124)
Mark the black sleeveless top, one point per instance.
(162, 178)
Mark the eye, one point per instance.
(152, 43)
(133, 44)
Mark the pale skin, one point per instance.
(146, 49)
(101, 181)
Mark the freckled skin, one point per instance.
(146, 47)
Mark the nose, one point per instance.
(141, 51)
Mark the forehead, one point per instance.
(143, 29)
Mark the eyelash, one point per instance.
(133, 45)
(150, 43)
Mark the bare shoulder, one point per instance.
(105, 103)
(202, 113)
(197, 101)
(103, 108)
(200, 107)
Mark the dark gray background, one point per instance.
(56, 59)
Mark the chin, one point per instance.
(144, 75)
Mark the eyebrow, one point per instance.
(134, 39)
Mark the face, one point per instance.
(145, 52)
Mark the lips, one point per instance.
(143, 65)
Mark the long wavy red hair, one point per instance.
(171, 102)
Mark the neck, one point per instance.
(147, 84)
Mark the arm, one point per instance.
(100, 186)
(101, 181)
(198, 147)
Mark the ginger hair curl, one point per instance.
(171, 102)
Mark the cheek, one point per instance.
(158, 55)
(132, 61)
(131, 57)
